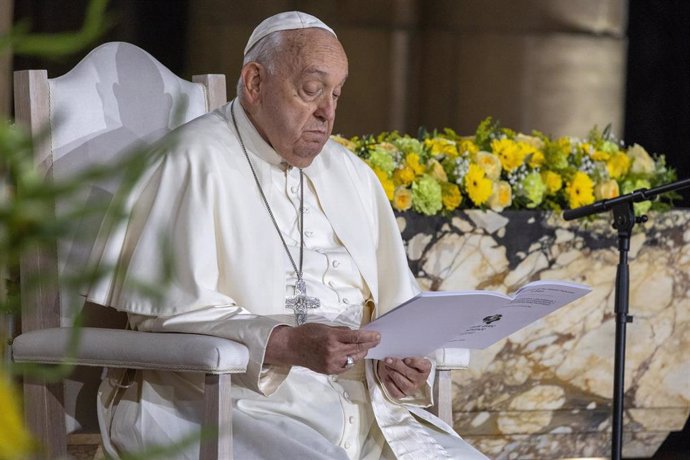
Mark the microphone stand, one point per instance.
(623, 221)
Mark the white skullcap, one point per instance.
(290, 20)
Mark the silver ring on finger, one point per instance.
(349, 362)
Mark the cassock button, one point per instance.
(294, 189)
(351, 419)
(335, 263)
(346, 395)
(308, 234)
(347, 444)
(346, 301)
(331, 284)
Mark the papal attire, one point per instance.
(231, 277)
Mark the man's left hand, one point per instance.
(403, 377)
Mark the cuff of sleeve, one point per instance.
(262, 378)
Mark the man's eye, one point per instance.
(311, 90)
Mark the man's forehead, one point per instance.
(289, 20)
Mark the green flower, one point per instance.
(427, 197)
(408, 145)
(533, 188)
(382, 159)
(630, 186)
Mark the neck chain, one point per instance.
(300, 303)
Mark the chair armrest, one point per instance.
(132, 349)
(452, 358)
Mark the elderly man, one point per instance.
(284, 241)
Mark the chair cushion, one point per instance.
(131, 349)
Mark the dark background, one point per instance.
(657, 102)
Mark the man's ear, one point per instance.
(252, 75)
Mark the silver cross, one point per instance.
(301, 302)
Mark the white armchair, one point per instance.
(117, 97)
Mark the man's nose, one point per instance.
(325, 111)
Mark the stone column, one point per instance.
(553, 65)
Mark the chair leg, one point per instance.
(216, 443)
(443, 396)
(44, 415)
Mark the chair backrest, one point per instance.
(117, 99)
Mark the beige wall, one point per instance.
(553, 65)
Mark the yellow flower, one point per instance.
(501, 196)
(348, 144)
(511, 153)
(553, 181)
(403, 175)
(641, 161)
(402, 199)
(441, 146)
(451, 196)
(412, 160)
(580, 190)
(536, 159)
(386, 182)
(437, 172)
(478, 187)
(532, 141)
(618, 165)
(606, 190)
(467, 147)
(489, 163)
(15, 440)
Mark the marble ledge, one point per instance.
(557, 373)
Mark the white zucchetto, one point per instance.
(289, 20)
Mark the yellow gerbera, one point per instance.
(478, 187)
(512, 154)
(580, 190)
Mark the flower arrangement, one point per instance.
(498, 169)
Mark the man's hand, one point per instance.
(319, 347)
(403, 377)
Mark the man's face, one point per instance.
(298, 100)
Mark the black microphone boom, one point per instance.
(624, 220)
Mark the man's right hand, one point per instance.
(319, 347)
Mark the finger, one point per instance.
(422, 365)
(399, 366)
(361, 337)
(393, 386)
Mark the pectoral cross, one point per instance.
(301, 302)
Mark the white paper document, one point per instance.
(466, 319)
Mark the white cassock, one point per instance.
(230, 278)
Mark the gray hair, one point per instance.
(266, 52)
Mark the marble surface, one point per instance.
(545, 391)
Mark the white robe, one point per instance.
(200, 201)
